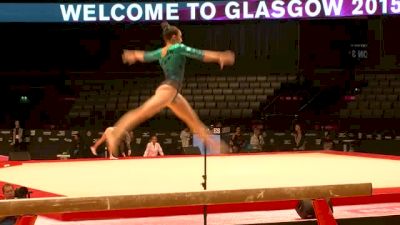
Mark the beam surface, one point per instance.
(86, 204)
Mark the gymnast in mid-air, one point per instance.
(172, 58)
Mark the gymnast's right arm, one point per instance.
(221, 57)
(132, 56)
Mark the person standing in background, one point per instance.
(257, 140)
(237, 141)
(299, 138)
(185, 137)
(17, 137)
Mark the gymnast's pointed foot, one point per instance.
(93, 149)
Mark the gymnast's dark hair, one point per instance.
(168, 31)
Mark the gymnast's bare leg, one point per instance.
(185, 112)
(100, 141)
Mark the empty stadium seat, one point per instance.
(230, 98)
(238, 91)
(191, 85)
(244, 85)
(259, 91)
(265, 84)
(206, 91)
(248, 91)
(244, 105)
(344, 113)
(374, 105)
(377, 113)
(366, 113)
(275, 84)
(227, 91)
(386, 105)
(219, 98)
(363, 105)
(210, 105)
(355, 113)
(388, 91)
(202, 85)
(396, 105)
(233, 85)
(214, 85)
(254, 105)
(240, 98)
(199, 105)
(395, 83)
(225, 113)
(262, 98)
(272, 77)
(223, 85)
(204, 113)
(217, 91)
(392, 98)
(373, 83)
(197, 92)
(236, 113)
(208, 98)
(231, 78)
(233, 105)
(380, 97)
(369, 76)
(389, 113)
(261, 79)
(241, 79)
(214, 113)
(352, 105)
(222, 105)
(251, 98)
(251, 79)
(186, 91)
(221, 79)
(247, 113)
(211, 79)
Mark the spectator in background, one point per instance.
(130, 141)
(299, 138)
(125, 145)
(257, 140)
(76, 146)
(8, 193)
(237, 141)
(185, 137)
(85, 143)
(153, 148)
(327, 143)
(17, 137)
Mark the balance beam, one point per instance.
(37, 206)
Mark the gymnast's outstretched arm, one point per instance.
(132, 56)
(221, 57)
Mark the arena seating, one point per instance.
(212, 97)
(379, 99)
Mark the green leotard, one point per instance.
(173, 63)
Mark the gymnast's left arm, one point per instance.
(132, 56)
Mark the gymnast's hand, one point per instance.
(226, 58)
(129, 57)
